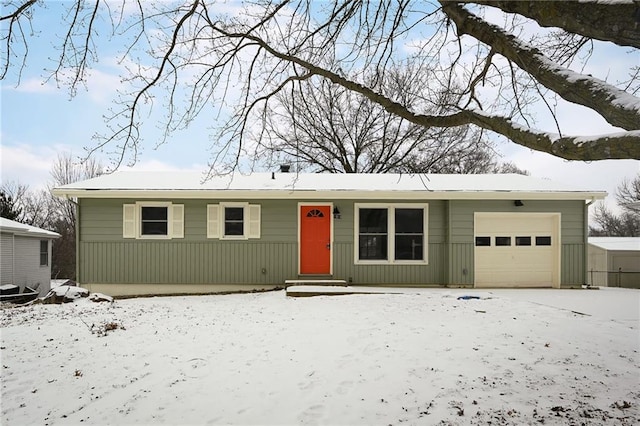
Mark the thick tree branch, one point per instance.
(616, 22)
(16, 13)
(616, 106)
(570, 148)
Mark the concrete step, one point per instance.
(315, 281)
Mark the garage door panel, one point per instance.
(506, 262)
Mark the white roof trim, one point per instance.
(127, 184)
(616, 243)
(17, 228)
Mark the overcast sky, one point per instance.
(40, 120)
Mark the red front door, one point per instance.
(315, 239)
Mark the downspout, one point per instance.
(585, 252)
(13, 259)
(77, 229)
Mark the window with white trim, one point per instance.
(153, 220)
(44, 253)
(233, 221)
(391, 233)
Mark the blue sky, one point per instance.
(40, 120)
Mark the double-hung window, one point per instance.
(391, 233)
(233, 221)
(44, 253)
(153, 220)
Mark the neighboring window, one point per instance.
(409, 234)
(155, 220)
(543, 241)
(373, 234)
(234, 221)
(391, 233)
(503, 241)
(44, 253)
(523, 241)
(483, 241)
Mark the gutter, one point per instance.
(326, 194)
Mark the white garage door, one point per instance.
(517, 249)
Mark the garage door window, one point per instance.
(483, 241)
(523, 241)
(543, 241)
(503, 241)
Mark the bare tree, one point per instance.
(245, 57)
(40, 208)
(32, 205)
(625, 224)
(64, 171)
(324, 127)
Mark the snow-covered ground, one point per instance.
(422, 357)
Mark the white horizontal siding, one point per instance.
(27, 264)
(6, 256)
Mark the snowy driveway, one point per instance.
(616, 304)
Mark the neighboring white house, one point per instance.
(25, 253)
(614, 261)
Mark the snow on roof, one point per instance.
(616, 243)
(302, 182)
(8, 225)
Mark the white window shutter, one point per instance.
(213, 221)
(254, 221)
(129, 221)
(177, 220)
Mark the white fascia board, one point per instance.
(328, 195)
(30, 233)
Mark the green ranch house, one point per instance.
(145, 233)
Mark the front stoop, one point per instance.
(312, 281)
(331, 290)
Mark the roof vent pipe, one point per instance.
(284, 168)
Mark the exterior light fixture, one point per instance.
(336, 213)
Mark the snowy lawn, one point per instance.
(422, 358)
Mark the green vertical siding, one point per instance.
(573, 267)
(105, 257)
(165, 262)
(461, 266)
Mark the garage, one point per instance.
(517, 249)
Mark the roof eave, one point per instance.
(327, 194)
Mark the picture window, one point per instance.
(393, 233)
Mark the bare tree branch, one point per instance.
(615, 105)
